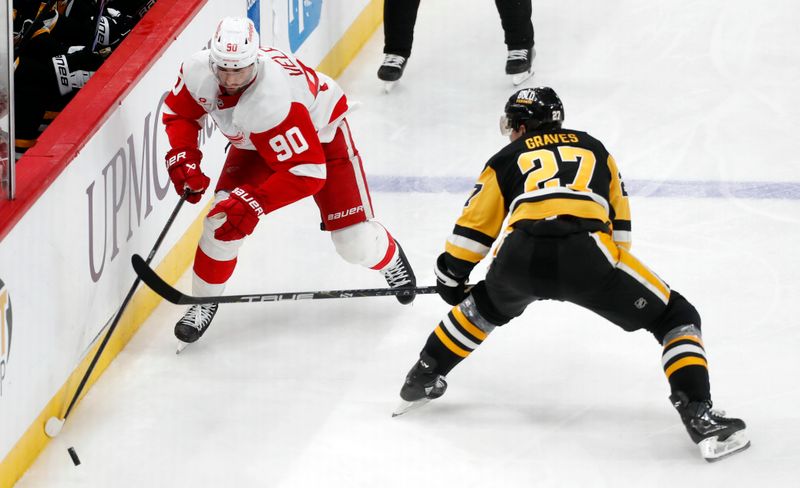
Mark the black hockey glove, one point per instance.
(74, 68)
(451, 288)
(113, 27)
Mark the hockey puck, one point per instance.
(74, 455)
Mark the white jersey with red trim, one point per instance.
(286, 107)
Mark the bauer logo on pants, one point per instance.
(5, 332)
(345, 213)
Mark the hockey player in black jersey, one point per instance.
(58, 46)
(567, 238)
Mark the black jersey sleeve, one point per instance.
(479, 224)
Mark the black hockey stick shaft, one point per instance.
(169, 293)
(121, 309)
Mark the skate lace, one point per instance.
(199, 316)
(397, 275)
(517, 55)
(711, 415)
(717, 414)
(394, 61)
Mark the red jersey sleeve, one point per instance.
(181, 116)
(292, 149)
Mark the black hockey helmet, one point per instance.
(536, 108)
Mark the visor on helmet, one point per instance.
(233, 78)
(505, 126)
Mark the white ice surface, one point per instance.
(301, 394)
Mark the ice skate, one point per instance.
(391, 70)
(194, 324)
(400, 275)
(421, 386)
(717, 436)
(519, 64)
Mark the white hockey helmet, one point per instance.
(235, 44)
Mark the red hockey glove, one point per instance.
(242, 211)
(183, 166)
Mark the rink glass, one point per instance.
(6, 102)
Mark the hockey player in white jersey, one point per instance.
(289, 139)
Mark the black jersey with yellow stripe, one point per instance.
(541, 175)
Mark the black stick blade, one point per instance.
(154, 281)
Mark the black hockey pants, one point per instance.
(576, 261)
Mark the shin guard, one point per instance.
(684, 362)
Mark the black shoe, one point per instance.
(422, 382)
(716, 435)
(400, 275)
(195, 322)
(519, 61)
(392, 67)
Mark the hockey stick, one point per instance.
(97, 24)
(161, 287)
(54, 424)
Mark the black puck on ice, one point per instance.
(74, 456)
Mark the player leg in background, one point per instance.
(634, 297)
(399, 17)
(515, 17)
(346, 210)
(215, 260)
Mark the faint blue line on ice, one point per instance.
(643, 188)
